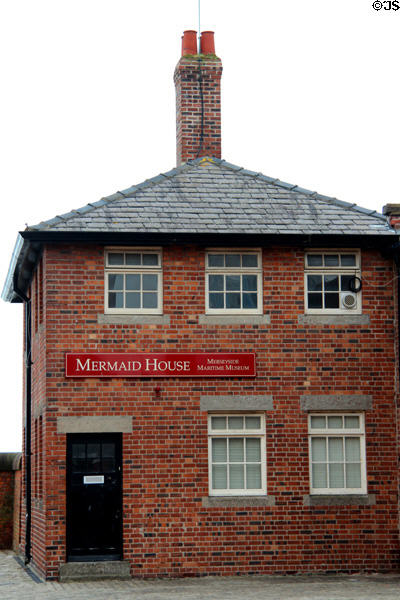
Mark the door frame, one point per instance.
(115, 437)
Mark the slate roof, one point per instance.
(209, 195)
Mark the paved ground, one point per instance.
(17, 584)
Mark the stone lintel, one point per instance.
(241, 403)
(94, 424)
(336, 402)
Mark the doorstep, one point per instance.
(94, 571)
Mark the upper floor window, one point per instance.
(233, 282)
(133, 281)
(332, 282)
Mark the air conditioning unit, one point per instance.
(348, 300)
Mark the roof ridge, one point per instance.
(131, 191)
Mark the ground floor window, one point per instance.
(236, 454)
(337, 453)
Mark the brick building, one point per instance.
(211, 371)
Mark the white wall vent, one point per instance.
(348, 300)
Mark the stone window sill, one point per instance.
(133, 319)
(234, 319)
(334, 320)
(339, 500)
(237, 501)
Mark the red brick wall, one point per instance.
(190, 74)
(165, 471)
(6, 509)
(16, 510)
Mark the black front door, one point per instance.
(94, 497)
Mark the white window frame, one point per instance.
(238, 433)
(235, 271)
(339, 433)
(339, 270)
(133, 269)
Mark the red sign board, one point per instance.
(160, 365)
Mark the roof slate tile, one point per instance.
(216, 196)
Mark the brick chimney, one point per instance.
(392, 211)
(197, 80)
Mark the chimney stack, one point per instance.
(197, 80)
(392, 211)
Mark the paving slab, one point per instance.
(16, 583)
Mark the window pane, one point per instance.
(133, 259)
(348, 260)
(236, 477)
(253, 477)
(318, 449)
(93, 458)
(233, 300)
(115, 282)
(249, 301)
(253, 450)
(335, 449)
(314, 283)
(132, 300)
(345, 282)
(150, 300)
(352, 422)
(150, 282)
(232, 282)
(249, 283)
(108, 450)
(335, 423)
(318, 423)
(331, 260)
(253, 422)
(93, 450)
(216, 300)
(218, 451)
(352, 446)
(150, 260)
(219, 477)
(319, 478)
(216, 283)
(353, 475)
(236, 450)
(132, 282)
(115, 258)
(331, 283)
(314, 300)
(314, 260)
(79, 451)
(218, 422)
(235, 422)
(249, 260)
(108, 456)
(331, 300)
(232, 260)
(79, 457)
(215, 260)
(336, 475)
(115, 300)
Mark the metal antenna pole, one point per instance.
(198, 33)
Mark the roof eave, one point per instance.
(29, 244)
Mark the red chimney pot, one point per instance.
(207, 45)
(189, 42)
